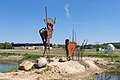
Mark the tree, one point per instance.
(60, 46)
(6, 45)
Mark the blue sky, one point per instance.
(95, 20)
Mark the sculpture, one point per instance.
(69, 46)
(46, 33)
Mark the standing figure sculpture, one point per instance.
(69, 46)
(46, 33)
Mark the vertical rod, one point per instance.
(70, 38)
(82, 46)
(75, 38)
(73, 35)
(46, 12)
(85, 44)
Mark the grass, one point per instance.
(34, 54)
(31, 56)
(58, 52)
(115, 56)
(7, 54)
(101, 55)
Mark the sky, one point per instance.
(95, 20)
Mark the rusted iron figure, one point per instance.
(46, 33)
(69, 46)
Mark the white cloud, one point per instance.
(67, 10)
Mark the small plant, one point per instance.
(117, 60)
(118, 66)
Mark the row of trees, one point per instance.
(6, 45)
(90, 46)
(104, 45)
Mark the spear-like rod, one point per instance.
(81, 49)
(46, 16)
(82, 45)
(75, 38)
(46, 12)
(85, 44)
(46, 20)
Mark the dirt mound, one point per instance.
(70, 67)
(56, 70)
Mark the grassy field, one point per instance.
(115, 56)
(33, 54)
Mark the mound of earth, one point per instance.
(68, 70)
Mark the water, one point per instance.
(108, 76)
(4, 67)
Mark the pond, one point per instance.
(108, 76)
(5, 67)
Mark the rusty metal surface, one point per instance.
(69, 46)
(46, 33)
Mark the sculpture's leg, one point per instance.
(67, 54)
(49, 48)
(44, 43)
(49, 54)
(44, 51)
(45, 48)
(43, 40)
(68, 57)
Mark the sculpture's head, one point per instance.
(66, 41)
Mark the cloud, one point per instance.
(67, 10)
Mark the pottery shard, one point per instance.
(26, 65)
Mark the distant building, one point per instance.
(29, 46)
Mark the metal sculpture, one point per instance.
(69, 46)
(46, 33)
(82, 48)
